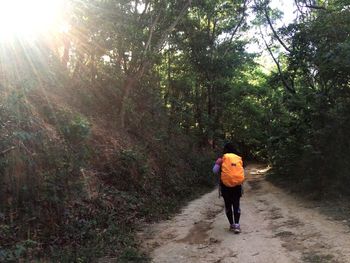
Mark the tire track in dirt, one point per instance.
(276, 227)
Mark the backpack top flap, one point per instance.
(232, 172)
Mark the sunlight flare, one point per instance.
(29, 18)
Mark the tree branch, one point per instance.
(285, 83)
(151, 30)
(315, 7)
(7, 150)
(298, 7)
(274, 32)
(237, 27)
(144, 11)
(173, 25)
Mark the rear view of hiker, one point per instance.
(230, 167)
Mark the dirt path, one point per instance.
(275, 228)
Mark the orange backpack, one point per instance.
(232, 172)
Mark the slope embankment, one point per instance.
(73, 183)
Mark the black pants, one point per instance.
(231, 197)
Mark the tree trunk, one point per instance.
(128, 86)
(210, 130)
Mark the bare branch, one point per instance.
(298, 7)
(284, 81)
(173, 25)
(7, 150)
(151, 30)
(237, 27)
(274, 31)
(315, 7)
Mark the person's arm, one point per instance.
(216, 169)
(217, 166)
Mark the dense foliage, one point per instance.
(115, 121)
(308, 140)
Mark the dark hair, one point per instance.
(229, 148)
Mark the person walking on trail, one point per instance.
(230, 168)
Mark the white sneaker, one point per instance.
(237, 229)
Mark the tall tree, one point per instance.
(208, 40)
(130, 34)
